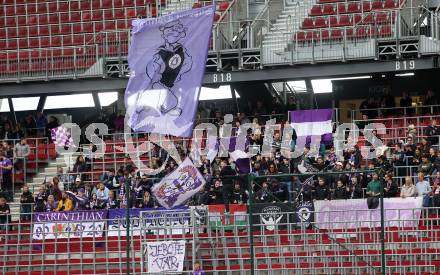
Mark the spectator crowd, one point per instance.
(408, 168)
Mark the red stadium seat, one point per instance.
(320, 23)
(34, 42)
(377, 5)
(342, 8)
(87, 16)
(369, 19)
(88, 27)
(63, 6)
(366, 6)
(66, 29)
(65, 17)
(381, 17)
(97, 15)
(10, 22)
(119, 14)
(75, 16)
(118, 3)
(43, 30)
(130, 13)
(222, 6)
(390, 4)
(328, 9)
(333, 21)
(53, 7)
(325, 34)
(106, 4)
(20, 10)
(55, 41)
(43, 19)
(42, 8)
(55, 29)
(108, 15)
(308, 23)
(54, 19)
(344, 20)
(10, 11)
(121, 25)
(337, 34)
(316, 10)
(12, 32)
(353, 7)
(356, 18)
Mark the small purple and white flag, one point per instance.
(62, 137)
(309, 123)
(167, 58)
(179, 186)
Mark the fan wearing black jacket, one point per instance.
(390, 187)
(27, 201)
(238, 195)
(355, 189)
(341, 192)
(216, 193)
(226, 175)
(322, 191)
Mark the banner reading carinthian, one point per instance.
(167, 58)
(74, 224)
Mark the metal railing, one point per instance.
(221, 242)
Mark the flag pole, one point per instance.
(127, 221)
(251, 222)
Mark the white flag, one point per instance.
(179, 186)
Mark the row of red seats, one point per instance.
(77, 16)
(35, 7)
(63, 29)
(348, 20)
(43, 42)
(352, 7)
(61, 65)
(358, 32)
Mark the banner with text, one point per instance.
(339, 214)
(165, 256)
(154, 219)
(73, 224)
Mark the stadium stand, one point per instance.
(65, 37)
(65, 213)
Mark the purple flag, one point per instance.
(167, 59)
(313, 123)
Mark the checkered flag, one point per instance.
(61, 137)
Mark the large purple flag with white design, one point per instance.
(167, 58)
(316, 122)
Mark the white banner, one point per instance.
(341, 214)
(165, 256)
(179, 186)
(70, 224)
(61, 230)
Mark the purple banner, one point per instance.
(341, 214)
(167, 58)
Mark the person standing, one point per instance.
(27, 201)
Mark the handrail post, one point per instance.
(251, 223)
